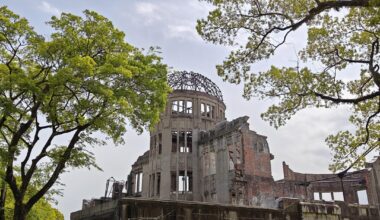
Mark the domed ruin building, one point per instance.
(195, 154)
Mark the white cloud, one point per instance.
(48, 8)
(182, 32)
(150, 12)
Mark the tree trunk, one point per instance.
(19, 212)
(2, 200)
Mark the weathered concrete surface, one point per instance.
(289, 209)
(101, 211)
(311, 211)
(139, 208)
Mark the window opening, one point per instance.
(316, 196)
(189, 141)
(174, 107)
(185, 182)
(173, 182)
(159, 143)
(261, 147)
(158, 183)
(138, 183)
(154, 142)
(326, 196)
(203, 109)
(208, 111)
(182, 147)
(174, 141)
(338, 196)
(153, 176)
(189, 107)
(362, 196)
(181, 106)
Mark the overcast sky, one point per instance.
(170, 24)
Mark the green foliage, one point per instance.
(57, 96)
(343, 36)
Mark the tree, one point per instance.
(343, 36)
(41, 210)
(57, 96)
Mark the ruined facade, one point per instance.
(195, 154)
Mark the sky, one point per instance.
(170, 25)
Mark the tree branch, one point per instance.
(60, 166)
(347, 101)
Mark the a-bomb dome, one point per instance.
(183, 80)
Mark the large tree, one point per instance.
(343, 37)
(60, 94)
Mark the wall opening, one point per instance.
(158, 186)
(138, 182)
(189, 107)
(182, 107)
(203, 109)
(173, 182)
(182, 142)
(159, 143)
(185, 182)
(316, 196)
(174, 141)
(338, 196)
(189, 141)
(326, 196)
(362, 196)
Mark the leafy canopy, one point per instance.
(343, 36)
(58, 94)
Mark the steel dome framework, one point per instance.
(183, 80)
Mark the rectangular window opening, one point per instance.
(189, 107)
(159, 143)
(174, 141)
(185, 182)
(174, 107)
(158, 183)
(181, 106)
(154, 142)
(203, 109)
(338, 196)
(316, 196)
(173, 182)
(182, 147)
(326, 196)
(138, 182)
(362, 196)
(208, 111)
(189, 141)
(153, 179)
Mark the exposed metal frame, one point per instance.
(183, 80)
